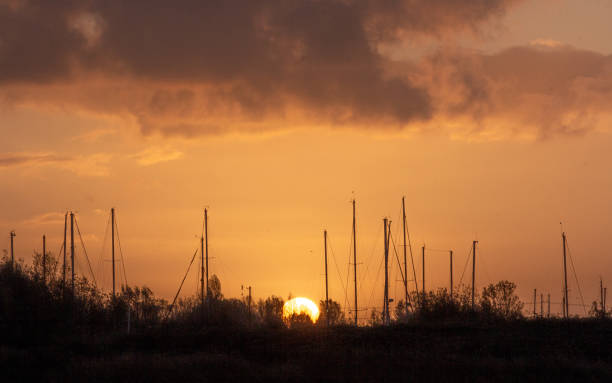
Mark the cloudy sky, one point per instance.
(492, 118)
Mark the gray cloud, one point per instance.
(541, 91)
(258, 58)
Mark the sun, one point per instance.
(301, 306)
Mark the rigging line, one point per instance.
(371, 256)
(575, 276)
(101, 258)
(416, 284)
(465, 266)
(183, 281)
(58, 259)
(85, 251)
(399, 264)
(331, 250)
(348, 265)
(375, 281)
(198, 276)
(120, 251)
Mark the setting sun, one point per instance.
(297, 306)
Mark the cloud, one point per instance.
(201, 67)
(531, 91)
(51, 218)
(95, 165)
(25, 158)
(207, 67)
(152, 156)
(550, 43)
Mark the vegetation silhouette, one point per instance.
(83, 335)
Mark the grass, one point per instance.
(551, 350)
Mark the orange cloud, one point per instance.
(95, 165)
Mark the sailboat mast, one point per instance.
(565, 296)
(473, 271)
(326, 283)
(113, 248)
(355, 259)
(206, 247)
(202, 270)
(385, 312)
(64, 264)
(44, 260)
(405, 261)
(72, 252)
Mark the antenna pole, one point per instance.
(386, 296)
(249, 304)
(326, 285)
(601, 295)
(355, 259)
(72, 251)
(202, 275)
(563, 306)
(423, 256)
(541, 305)
(535, 300)
(548, 302)
(64, 264)
(566, 300)
(12, 250)
(113, 247)
(451, 274)
(44, 259)
(405, 261)
(473, 270)
(206, 244)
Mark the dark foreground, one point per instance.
(517, 351)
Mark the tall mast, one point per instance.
(601, 295)
(473, 270)
(206, 244)
(250, 304)
(326, 285)
(405, 261)
(72, 251)
(44, 259)
(565, 296)
(355, 259)
(113, 247)
(64, 264)
(423, 256)
(12, 250)
(202, 275)
(451, 274)
(385, 313)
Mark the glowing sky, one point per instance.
(491, 117)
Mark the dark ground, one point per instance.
(517, 351)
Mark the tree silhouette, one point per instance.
(334, 310)
(501, 300)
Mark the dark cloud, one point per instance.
(260, 56)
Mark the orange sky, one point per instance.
(492, 120)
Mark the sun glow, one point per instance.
(301, 306)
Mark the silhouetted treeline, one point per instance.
(31, 307)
